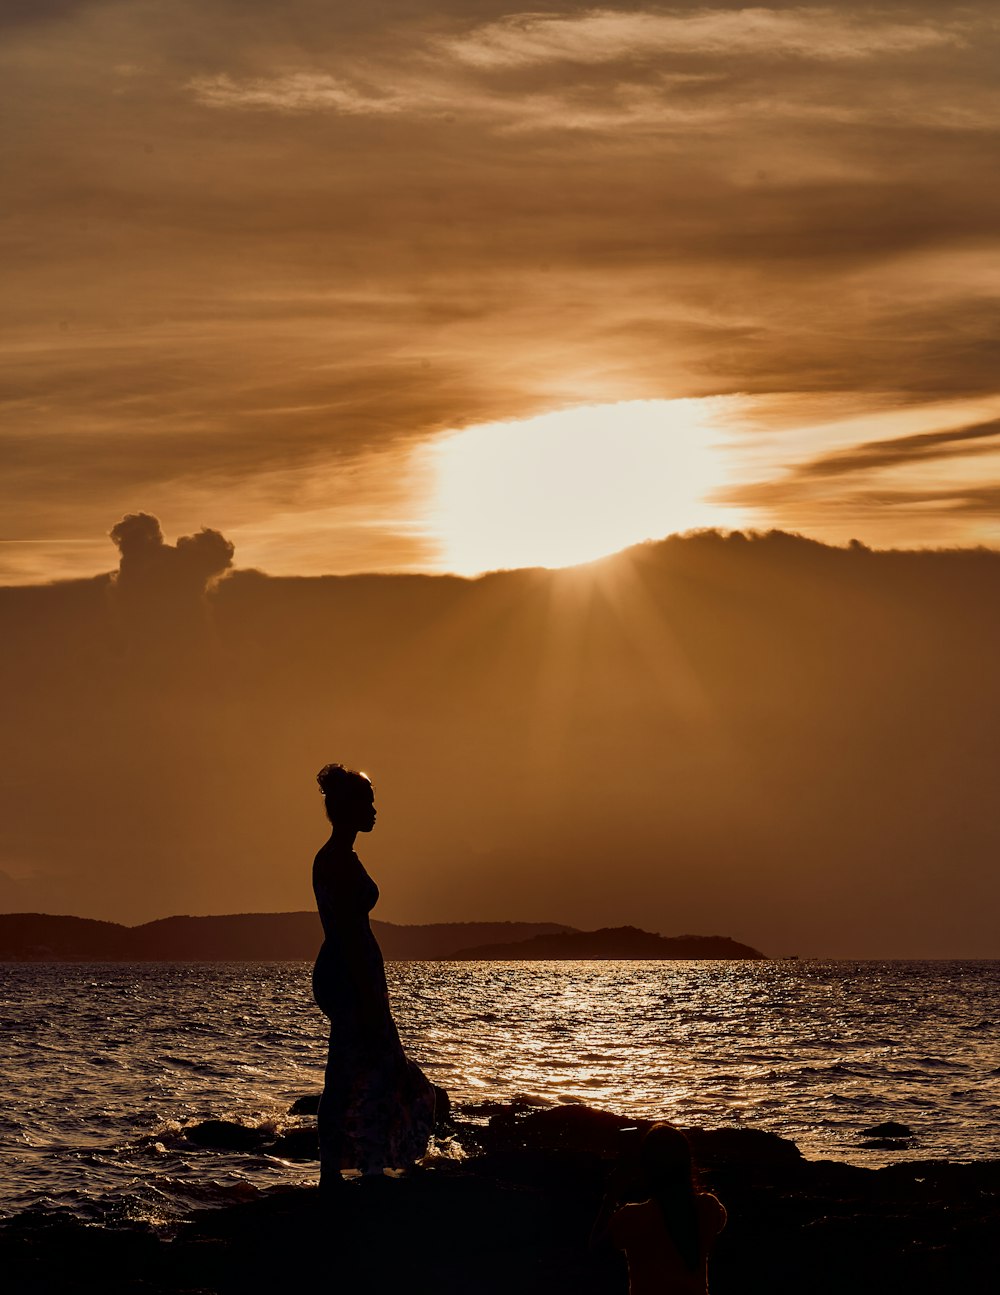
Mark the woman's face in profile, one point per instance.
(365, 807)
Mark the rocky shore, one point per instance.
(515, 1214)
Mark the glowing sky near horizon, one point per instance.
(575, 484)
(258, 260)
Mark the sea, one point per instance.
(105, 1065)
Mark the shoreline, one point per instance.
(515, 1216)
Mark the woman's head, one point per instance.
(669, 1177)
(349, 797)
(665, 1159)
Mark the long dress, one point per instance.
(377, 1108)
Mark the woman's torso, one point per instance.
(349, 960)
(655, 1264)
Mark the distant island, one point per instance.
(610, 942)
(281, 937)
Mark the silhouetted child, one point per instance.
(656, 1214)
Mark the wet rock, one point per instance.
(517, 1217)
(583, 1130)
(491, 1106)
(296, 1144)
(442, 1110)
(225, 1135)
(307, 1105)
(742, 1147)
(574, 1128)
(890, 1129)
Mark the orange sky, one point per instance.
(400, 287)
(258, 256)
(791, 744)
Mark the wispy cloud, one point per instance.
(605, 36)
(295, 92)
(970, 501)
(607, 71)
(939, 483)
(876, 455)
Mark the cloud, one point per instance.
(606, 36)
(972, 501)
(876, 455)
(610, 70)
(294, 92)
(934, 484)
(151, 566)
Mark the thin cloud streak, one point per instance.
(605, 36)
(961, 443)
(294, 92)
(929, 481)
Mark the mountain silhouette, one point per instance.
(263, 937)
(611, 942)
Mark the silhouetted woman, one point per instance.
(377, 1108)
(665, 1225)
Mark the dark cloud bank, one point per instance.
(792, 744)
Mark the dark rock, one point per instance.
(518, 1217)
(490, 1106)
(307, 1105)
(887, 1144)
(583, 1130)
(442, 1110)
(890, 1129)
(296, 1144)
(565, 1128)
(742, 1147)
(226, 1135)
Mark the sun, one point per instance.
(570, 486)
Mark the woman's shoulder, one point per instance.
(635, 1220)
(711, 1212)
(629, 1219)
(333, 858)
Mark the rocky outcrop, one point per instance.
(517, 1214)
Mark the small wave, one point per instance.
(834, 1068)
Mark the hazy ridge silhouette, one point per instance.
(610, 943)
(30, 937)
(252, 936)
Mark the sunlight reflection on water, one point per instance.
(107, 1062)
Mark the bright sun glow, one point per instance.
(574, 485)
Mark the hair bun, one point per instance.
(332, 776)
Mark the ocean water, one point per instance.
(103, 1065)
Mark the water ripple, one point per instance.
(106, 1064)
